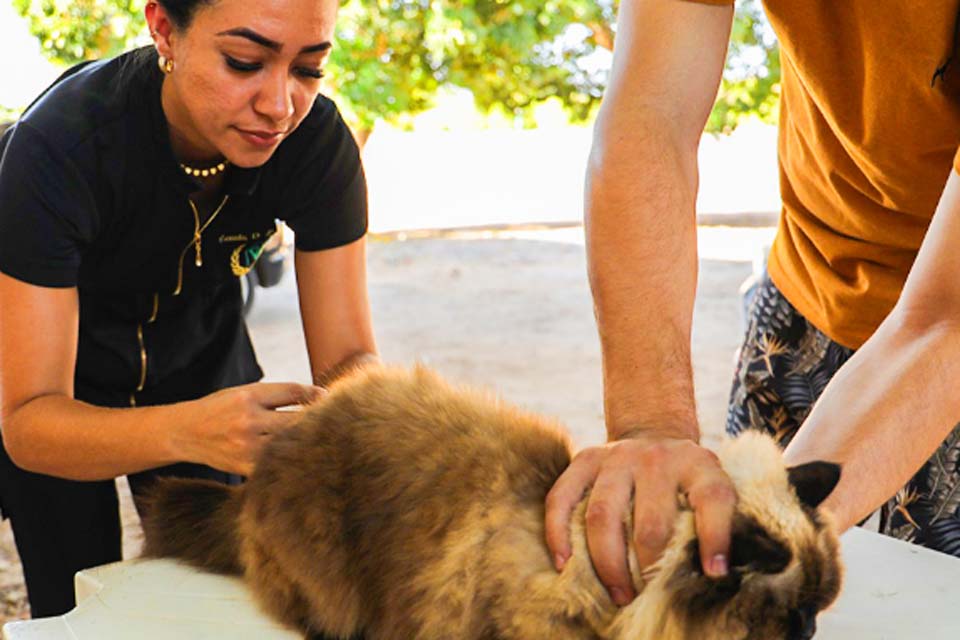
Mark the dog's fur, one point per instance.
(401, 507)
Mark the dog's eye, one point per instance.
(753, 549)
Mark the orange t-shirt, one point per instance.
(865, 147)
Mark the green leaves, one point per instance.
(751, 78)
(71, 31)
(387, 62)
(392, 56)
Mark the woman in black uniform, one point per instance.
(133, 193)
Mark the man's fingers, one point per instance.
(272, 395)
(566, 494)
(271, 422)
(713, 499)
(654, 513)
(606, 538)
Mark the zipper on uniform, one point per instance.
(156, 308)
(143, 366)
(143, 350)
(195, 242)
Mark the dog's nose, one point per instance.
(802, 624)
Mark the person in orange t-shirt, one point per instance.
(862, 287)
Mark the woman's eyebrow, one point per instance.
(253, 36)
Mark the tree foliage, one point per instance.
(751, 79)
(73, 30)
(393, 56)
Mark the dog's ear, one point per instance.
(814, 481)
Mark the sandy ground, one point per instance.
(510, 312)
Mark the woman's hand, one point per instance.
(46, 430)
(652, 469)
(227, 429)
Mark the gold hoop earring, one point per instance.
(165, 64)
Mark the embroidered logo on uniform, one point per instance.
(244, 257)
(246, 254)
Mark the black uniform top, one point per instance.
(91, 196)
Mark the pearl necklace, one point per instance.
(204, 173)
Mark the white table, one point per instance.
(153, 600)
(892, 591)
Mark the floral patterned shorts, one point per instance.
(783, 366)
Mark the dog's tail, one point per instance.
(194, 521)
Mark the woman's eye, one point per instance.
(310, 72)
(240, 65)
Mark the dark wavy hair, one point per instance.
(181, 12)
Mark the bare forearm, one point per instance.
(641, 251)
(59, 436)
(884, 414)
(335, 309)
(345, 366)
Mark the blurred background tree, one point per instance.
(393, 56)
(751, 78)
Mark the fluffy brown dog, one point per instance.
(401, 507)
